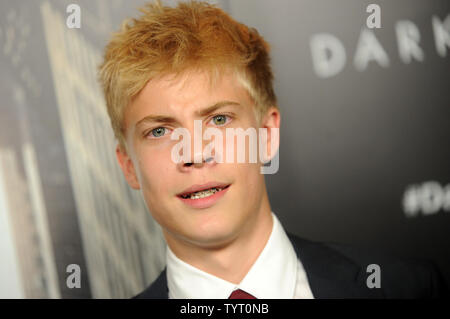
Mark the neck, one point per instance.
(230, 261)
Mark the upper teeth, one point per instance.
(204, 193)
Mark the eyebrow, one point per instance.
(168, 119)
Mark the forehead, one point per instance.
(186, 93)
(191, 85)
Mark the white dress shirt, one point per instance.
(276, 274)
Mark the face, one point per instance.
(147, 164)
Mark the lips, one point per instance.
(201, 187)
(200, 203)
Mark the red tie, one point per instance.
(240, 294)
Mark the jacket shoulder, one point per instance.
(398, 277)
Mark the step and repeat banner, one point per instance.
(364, 93)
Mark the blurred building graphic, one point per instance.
(22, 202)
(24, 206)
(123, 246)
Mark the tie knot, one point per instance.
(240, 294)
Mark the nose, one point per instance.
(200, 154)
(199, 164)
(190, 165)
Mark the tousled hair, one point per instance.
(173, 40)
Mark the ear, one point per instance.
(271, 120)
(127, 166)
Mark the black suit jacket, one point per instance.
(338, 271)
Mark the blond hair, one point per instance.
(192, 36)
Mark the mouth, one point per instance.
(206, 192)
(204, 198)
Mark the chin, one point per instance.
(212, 235)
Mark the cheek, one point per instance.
(153, 171)
(249, 175)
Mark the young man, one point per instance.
(175, 68)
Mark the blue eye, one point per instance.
(221, 119)
(158, 132)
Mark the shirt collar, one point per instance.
(272, 276)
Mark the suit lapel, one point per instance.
(157, 290)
